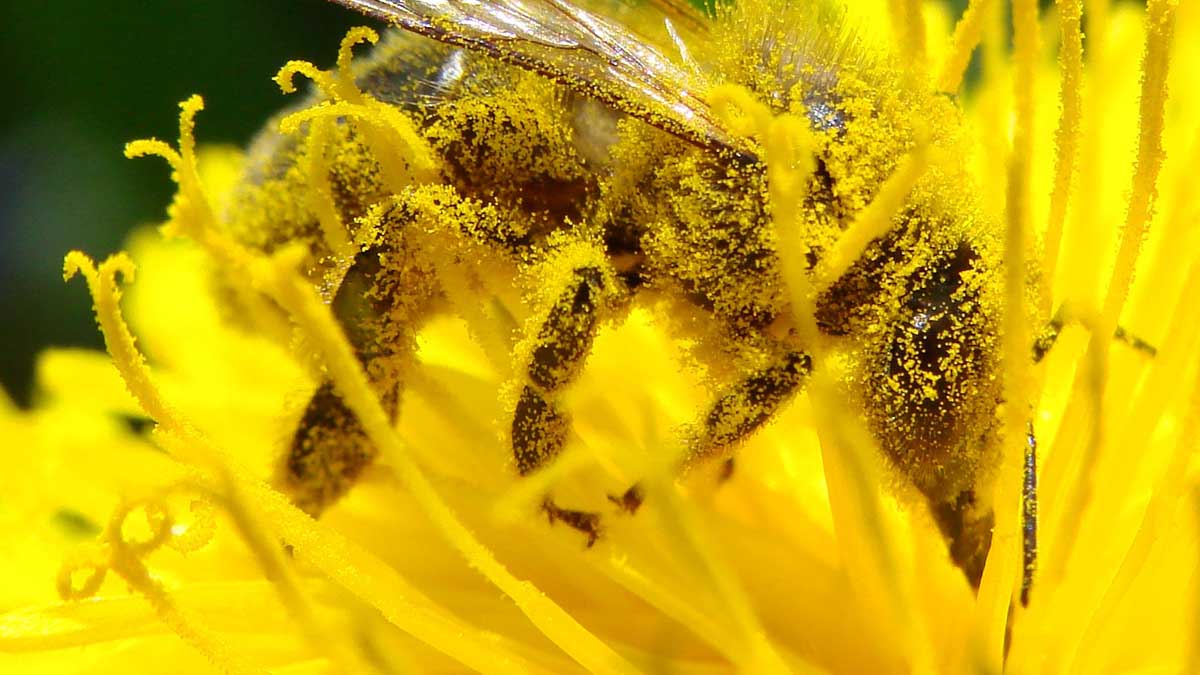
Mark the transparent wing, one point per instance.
(583, 51)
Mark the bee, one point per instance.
(575, 153)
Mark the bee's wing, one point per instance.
(583, 51)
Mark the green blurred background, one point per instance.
(78, 78)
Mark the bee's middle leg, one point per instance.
(1042, 345)
(539, 425)
(738, 412)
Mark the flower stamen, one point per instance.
(403, 154)
(1161, 21)
(121, 547)
(1066, 140)
(968, 33)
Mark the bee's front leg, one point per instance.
(330, 449)
(562, 343)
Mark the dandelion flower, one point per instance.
(143, 530)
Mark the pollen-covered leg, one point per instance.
(745, 406)
(562, 343)
(330, 449)
(736, 414)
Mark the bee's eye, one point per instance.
(934, 294)
(933, 319)
(931, 359)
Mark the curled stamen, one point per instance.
(120, 548)
(338, 84)
(345, 80)
(141, 536)
(189, 537)
(106, 295)
(286, 77)
(407, 158)
(82, 574)
(402, 154)
(254, 501)
(190, 213)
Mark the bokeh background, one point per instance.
(79, 78)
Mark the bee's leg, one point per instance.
(1042, 346)
(328, 452)
(1049, 335)
(968, 530)
(330, 449)
(1029, 515)
(586, 522)
(746, 405)
(630, 500)
(736, 413)
(539, 425)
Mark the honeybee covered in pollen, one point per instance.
(580, 156)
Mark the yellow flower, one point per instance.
(163, 547)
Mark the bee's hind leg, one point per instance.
(562, 343)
